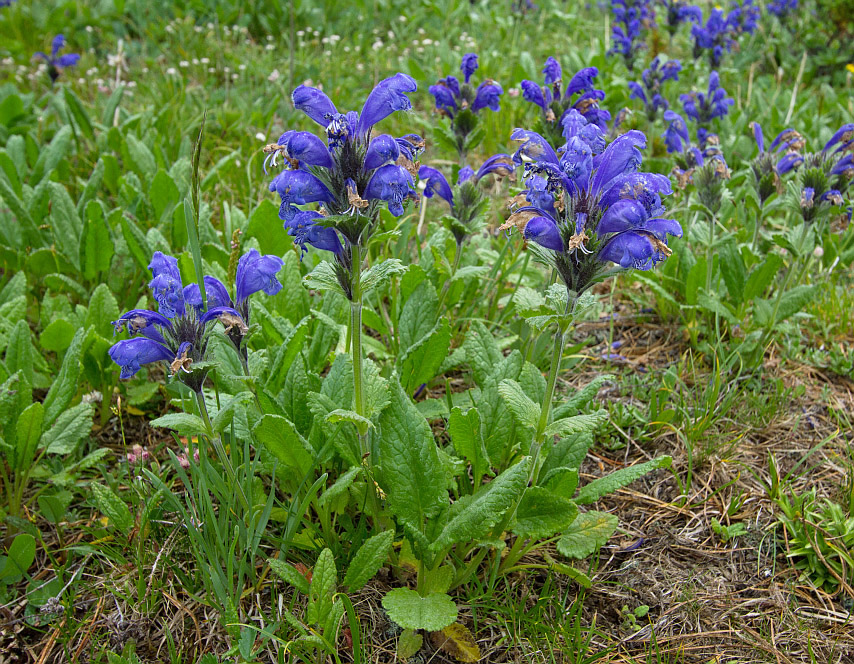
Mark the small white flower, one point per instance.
(195, 61)
(426, 42)
(90, 29)
(242, 67)
(377, 45)
(211, 70)
(183, 64)
(204, 61)
(270, 47)
(274, 76)
(300, 33)
(261, 137)
(234, 77)
(172, 71)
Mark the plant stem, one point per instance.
(554, 369)
(710, 255)
(216, 441)
(356, 340)
(358, 388)
(458, 254)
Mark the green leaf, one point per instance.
(72, 426)
(112, 105)
(761, 277)
(340, 487)
(280, 437)
(732, 269)
(65, 224)
(28, 428)
(53, 506)
(225, 415)
(587, 534)
(420, 362)
(482, 352)
(408, 643)
(265, 226)
(479, 514)
(412, 611)
(64, 386)
(542, 513)
(379, 273)
(92, 188)
(112, 506)
(417, 318)
(96, 242)
(142, 160)
(20, 354)
(794, 300)
(103, 310)
(322, 589)
(51, 155)
(576, 575)
(581, 397)
(342, 415)
(467, 439)
(289, 573)
(368, 560)
(577, 424)
(410, 471)
(526, 412)
(186, 424)
(78, 111)
(57, 336)
(136, 242)
(163, 194)
(22, 553)
(590, 493)
(323, 277)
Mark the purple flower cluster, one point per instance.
(556, 102)
(350, 174)
(703, 108)
(465, 201)
(588, 205)
(653, 77)
(678, 12)
(720, 30)
(782, 8)
(55, 62)
(631, 17)
(452, 96)
(177, 332)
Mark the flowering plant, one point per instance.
(462, 102)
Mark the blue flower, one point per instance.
(392, 184)
(388, 96)
(466, 201)
(131, 354)
(487, 96)
(56, 64)
(610, 211)
(306, 231)
(653, 78)
(298, 188)
(176, 332)
(678, 12)
(703, 108)
(782, 8)
(469, 65)
(630, 16)
(844, 135)
(451, 97)
(676, 132)
(555, 104)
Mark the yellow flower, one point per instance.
(850, 67)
